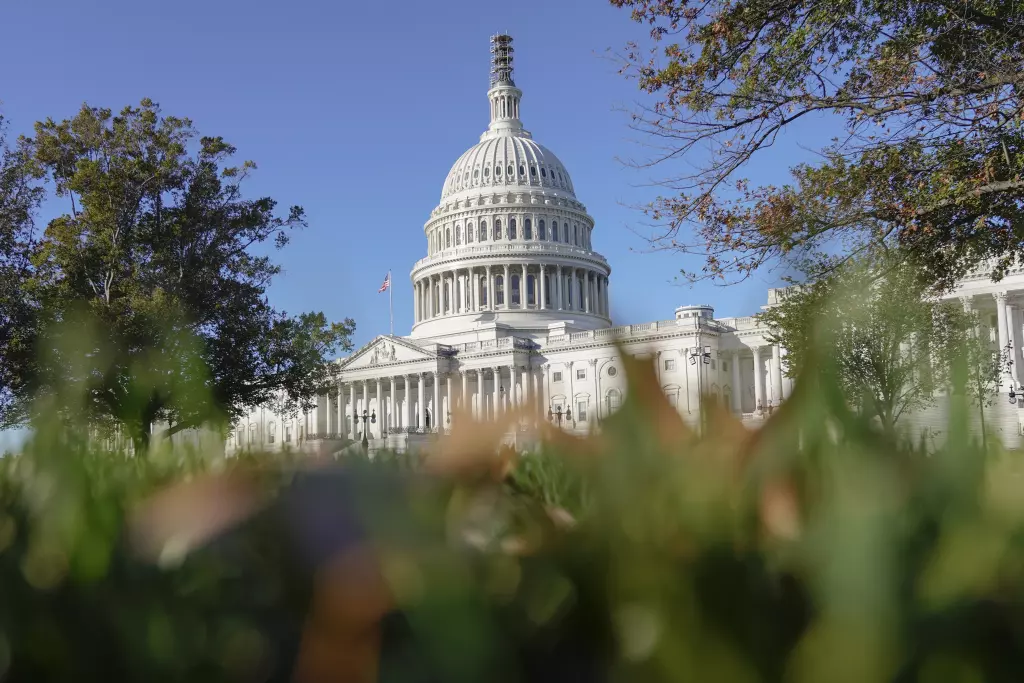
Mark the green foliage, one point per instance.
(894, 347)
(148, 296)
(926, 96)
(814, 549)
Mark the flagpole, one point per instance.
(391, 307)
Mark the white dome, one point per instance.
(505, 162)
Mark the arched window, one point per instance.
(252, 434)
(497, 170)
(482, 284)
(510, 170)
(567, 285)
(476, 173)
(447, 298)
(554, 231)
(541, 232)
(522, 169)
(511, 228)
(565, 232)
(533, 171)
(514, 290)
(576, 234)
(483, 231)
(458, 235)
(447, 238)
(469, 232)
(499, 290)
(527, 229)
(543, 173)
(487, 172)
(531, 285)
(497, 228)
(613, 399)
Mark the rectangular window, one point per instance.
(556, 377)
(270, 437)
(581, 374)
(725, 365)
(712, 363)
(288, 434)
(581, 411)
(670, 365)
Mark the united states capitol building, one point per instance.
(511, 306)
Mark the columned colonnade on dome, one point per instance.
(511, 286)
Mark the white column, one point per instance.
(352, 409)
(559, 303)
(436, 419)
(407, 402)
(513, 389)
(366, 397)
(538, 390)
(393, 405)
(586, 292)
(527, 379)
(428, 284)
(506, 290)
(474, 292)
(490, 288)
(447, 399)
(758, 380)
(380, 408)
(522, 288)
(421, 403)
(542, 289)
(1002, 330)
(1014, 323)
(777, 372)
(338, 428)
(737, 395)
(496, 404)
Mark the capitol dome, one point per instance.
(504, 162)
(509, 245)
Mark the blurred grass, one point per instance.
(814, 549)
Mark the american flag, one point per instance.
(387, 283)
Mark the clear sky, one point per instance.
(356, 111)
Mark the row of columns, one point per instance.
(469, 290)
(1009, 328)
(770, 388)
(511, 386)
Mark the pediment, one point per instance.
(385, 350)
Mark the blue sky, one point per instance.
(357, 114)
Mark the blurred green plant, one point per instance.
(894, 345)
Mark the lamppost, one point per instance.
(557, 415)
(372, 418)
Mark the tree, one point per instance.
(892, 346)
(926, 95)
(20, 196)
(150, 294)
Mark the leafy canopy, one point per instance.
(928, 96)
(149, 293)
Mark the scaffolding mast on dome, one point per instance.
(501, 59)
